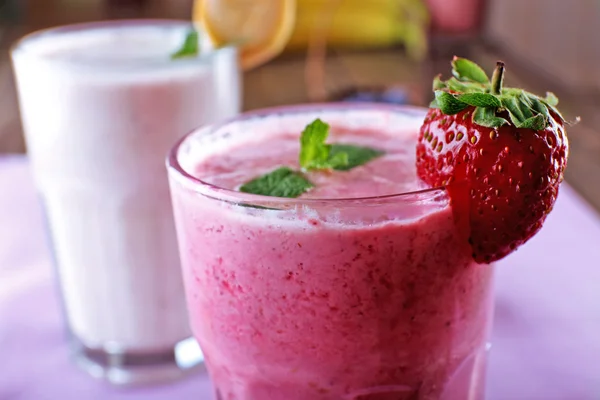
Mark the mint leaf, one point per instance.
(337, 160)
(355, 155)
(449, 104)
(282, 182)
(314, 153)
(479, 99)
(190, 47)
(464, 69)
(487, 117)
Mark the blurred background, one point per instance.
(385, 50)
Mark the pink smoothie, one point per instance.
(366, 299)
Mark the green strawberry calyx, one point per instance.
(470, 86)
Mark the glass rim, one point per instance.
(19, 46)
(179, 173)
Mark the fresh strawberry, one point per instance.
(500, 152)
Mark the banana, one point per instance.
(381, 5)
(347, 29)
(363, 23)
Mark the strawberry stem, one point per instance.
(498, 78)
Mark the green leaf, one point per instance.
(551, 99)
(538, 106)
(487, 117)
(337, 160)
(190, 46)
(470, 86)
(550, 102)
(465, 87)
(314, 153)
(438, 84)
(521, 114)
(480, 99)
(449, 104)
(536, 123)
(464, 69)
(525, 105)
(512, 106)
(525, 99)
(354, 155)
(511, 91)
(555, 110)
(282, 182)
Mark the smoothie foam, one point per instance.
(338, 299)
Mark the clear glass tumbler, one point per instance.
(323, 299)
(101, 105)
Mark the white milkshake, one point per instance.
(101, 105)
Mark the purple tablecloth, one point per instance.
(546, 339)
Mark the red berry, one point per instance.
(502, 181)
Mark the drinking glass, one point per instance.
(315, 299)
(101, 104)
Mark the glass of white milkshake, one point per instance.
(101, 104)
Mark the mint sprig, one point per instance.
(282, 182)
(315, 154)
(471, 87)
(354, 155)
(190, 46)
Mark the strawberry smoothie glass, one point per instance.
(343, 293)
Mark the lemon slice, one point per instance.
(261, 28)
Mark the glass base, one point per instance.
(122, 367)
